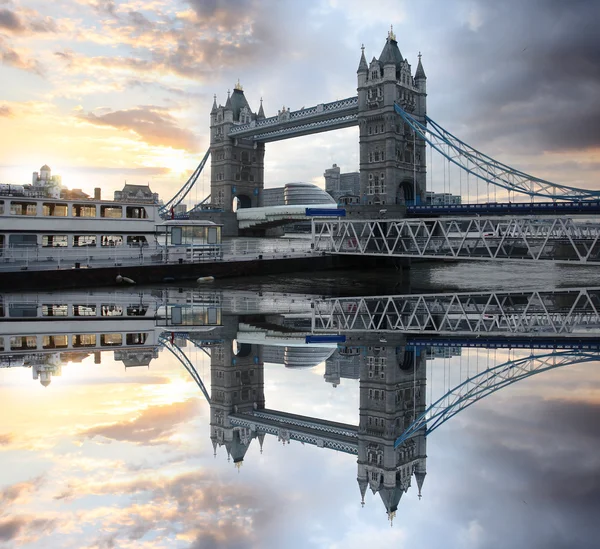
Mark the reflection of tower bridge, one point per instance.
(395, 133)
(388, 342)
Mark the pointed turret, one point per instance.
(228, 102)
(362, 484)
(390, 55)
(420, 478)
(261, 112)
(362, 65)
(420, 74)
(214, 107)
(261, 436)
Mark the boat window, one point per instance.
(55, 342)
(56, 210)
(136, 339)
(55, 240)
(23, 343)
(84, 340)
(84, 210)
(136, 212)
(1, 207)
(55, 310)
(84, 310)
(1, 241)
(137, 240)
(114, 212)
(137, 310)
(84, 240)
(1, 344)
(112, 240)
(23, 208)
(110, 340)
(22, 310)
(176, 236)
(22, 240)
(111, 310)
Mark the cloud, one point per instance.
(13, 58)
(10, 21)
(534, 73)
(11, 528)
(153, 426)
(5, 438)
(20, 492)
(152, 124)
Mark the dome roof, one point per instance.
(45, 168)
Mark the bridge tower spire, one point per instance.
(237, 165)
(392, 392)
(392, 159)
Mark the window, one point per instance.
(137, 240)
(55, 241)
(111, 310)
(111, 240)
(81, 240)
(23, 343)
(22, 310)
(56, 210)
(137, 310)
(55, 310)
(22, 240)
(113, 212)
(136, 339)
(111, 340)
(136, 212)
(84, 210)
(84, 340)
(1, 207)
(55, 342)
(370, 130)
(84, 310)
(23, 208)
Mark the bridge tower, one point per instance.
(392, 393)
(237, 385)
(237, 165)
(392, 158)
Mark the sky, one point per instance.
(107, 91)
(106, 457)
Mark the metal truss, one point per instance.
(486, 168)
(483, 384)
(557, 239)
(187, 187)
(531, 313)
(281, 125)
(285, 433)
(185, 361)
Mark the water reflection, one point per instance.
(418, 360)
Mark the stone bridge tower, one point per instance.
(237, 385)
(392, 394)
(392, 158)
(237, 165)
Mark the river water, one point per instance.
(217, 425)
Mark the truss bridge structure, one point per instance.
(533, 313)
(509, 238)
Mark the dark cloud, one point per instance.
(153, 426)
(534, 463)
(10, 528)
(153, 124)
(530, 73)
(14, 492)
(105, 6)
(10, 21)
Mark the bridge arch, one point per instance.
(241, 201)
(405, 192)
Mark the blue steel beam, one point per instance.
(488, 169)
(483, 384)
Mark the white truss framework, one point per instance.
(483, 384)
(509, 238)
(531, 313)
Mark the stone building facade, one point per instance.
(237, 165)
(392, 158)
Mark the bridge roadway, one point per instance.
(506, 208)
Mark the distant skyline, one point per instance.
(105, 91)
